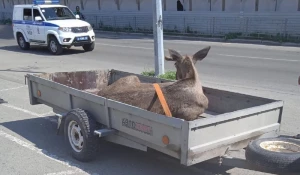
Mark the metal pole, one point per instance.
(158, 37)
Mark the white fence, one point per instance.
(205, 24)
(263, 25)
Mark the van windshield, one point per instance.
(57, 13)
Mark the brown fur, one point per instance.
(185, 97)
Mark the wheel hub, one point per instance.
(75, 136)
(21, 41)
(53, 46)
(280, 146)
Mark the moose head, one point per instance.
(183, 63)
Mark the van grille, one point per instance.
(79, 29)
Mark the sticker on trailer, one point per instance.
(137, 126)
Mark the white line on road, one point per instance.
(237, 56)
(62, 173)
(260, 58)
(32, 113)
(32, 147)
(1, 90)
(38, 151)
(131, 47)
(23, 110)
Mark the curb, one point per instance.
(242, 41)
(195, 38)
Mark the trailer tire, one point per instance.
(263, 158)
(79, 133)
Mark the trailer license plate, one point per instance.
(137, 126)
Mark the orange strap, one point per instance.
(162, 100)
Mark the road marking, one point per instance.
(62, 173)
(32, 113)
(237, 56)
(260, 58)
(131, 47)
(1, 90)
(23, 110)
(39, 151)
(32, 147)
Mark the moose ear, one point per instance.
(174, 56)
(201, 54)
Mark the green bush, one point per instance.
(6, 21)
(170, 75)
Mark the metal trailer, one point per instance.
(231, 121)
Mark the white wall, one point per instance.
(201, 5)
(171, 5)
(73, 3)
(232, 5)
(146, 6)
(248, 6)
(108, 5)
(266, 6)
(287, 6)
(216, 5)
(216, 22)
(128, 5)
(91, 6)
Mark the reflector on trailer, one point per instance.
(45, 2)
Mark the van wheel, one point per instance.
(22, 42)
(89, 47)
(54, 47)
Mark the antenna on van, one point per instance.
(42, 2)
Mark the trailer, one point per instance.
(231, 121)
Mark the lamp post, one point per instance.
(158, 37)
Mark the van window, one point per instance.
(57, 13)
(36, 13)
(27, 16)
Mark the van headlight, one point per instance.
(65, 29)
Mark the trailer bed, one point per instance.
(230, 122)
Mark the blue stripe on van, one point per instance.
(34, 23)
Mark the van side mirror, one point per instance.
(38, 18)
(77, 16)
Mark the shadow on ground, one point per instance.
(111, 159)
(40, 50)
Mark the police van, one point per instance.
(46, 22)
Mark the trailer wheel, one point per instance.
(79, 133)
(274, 154)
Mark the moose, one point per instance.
(184, 97)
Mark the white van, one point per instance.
(48, 23)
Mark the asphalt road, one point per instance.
(29, 144)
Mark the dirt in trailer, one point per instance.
(89, 81)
